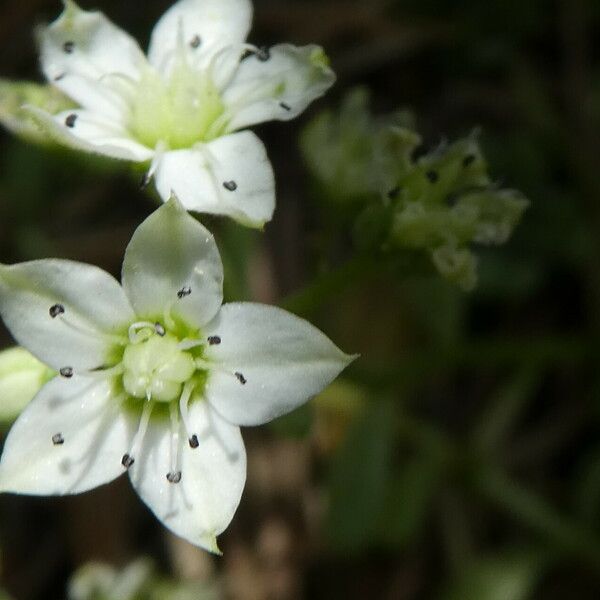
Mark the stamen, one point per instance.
(103, 372)
(127, 461)
(174, 477)
(66, 372)
(230, 186)
(56, 309)
(240, 378)
(214, 340)
(136, 336)
(70, 120)
(263, 54)
(59, 76)
(144, 181)
(68, 47)
(129, 458)
(189, 344)
(58, 439)
(184, 400)
(285, 106)
(183, 292)
(209, 366)
(159, 329)
(117, 339)
(195, 42)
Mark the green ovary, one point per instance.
(156, 368)
(179, 112)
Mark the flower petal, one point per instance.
(277, 84)
(69, 439)
(230, 176)
(65, 313)
(90, 132)
(172, 262)
(268, 362)
(204, 26)
(82, 45)
(201, 505)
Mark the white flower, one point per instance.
(181, 108)
(157, 376)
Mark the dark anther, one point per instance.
(58, 439)
(144, 181)
(59, 76)
(393, 193)
(433, 176)
(194, 443)
(183, 292)
(68, 47)
(174, 477)
(66, 372)
(230, 185)
(56, 309)
(468, 160)
(285, 106)
(195, 42)
(240, 378)
(214, 340)
(246, 54)
(127, 461)
(159, 329)
(70, 120)
(263, 54)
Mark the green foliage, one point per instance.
(439, 203)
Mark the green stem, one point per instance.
(327, 286)
(533, 512)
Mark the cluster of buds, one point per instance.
(438, 204)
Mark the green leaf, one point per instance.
(358, 479)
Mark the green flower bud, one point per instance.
(16, 94)
(21, 377)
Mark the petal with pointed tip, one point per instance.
(170, 251)
(94, 435)
(95, 310)
(90, 132)
(268, 362)
(230, 176)
(202, 504)
(86, 44)
(278, 88)
(204, 27)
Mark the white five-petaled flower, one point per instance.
(155, 375)
(181, 108)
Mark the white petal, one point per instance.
(268, 362)
(204, 27)
(82, 414)
(90, 132)
(280, 87)
(202, 504)
(230, 176)
(170, 252)
(95, 310)
(81, 44)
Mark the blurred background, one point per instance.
(459, 457)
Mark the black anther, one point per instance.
(58, 439)
(240, 378)
(55, 310)
(66, 372)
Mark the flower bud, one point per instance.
(21, 377)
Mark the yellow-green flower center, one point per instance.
(155, 368)
(178, 111)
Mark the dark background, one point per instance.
(460, 457)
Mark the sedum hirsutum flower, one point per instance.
(182, 107)
(155, 375)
